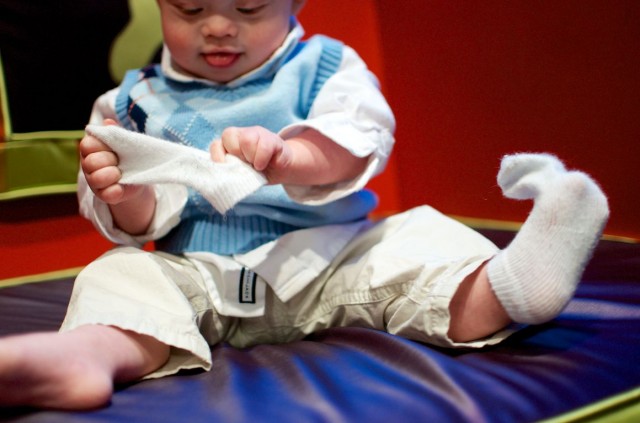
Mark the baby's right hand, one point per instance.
(99, 164)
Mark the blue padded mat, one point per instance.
(590, 352)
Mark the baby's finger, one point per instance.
(217, 151)
(90, 144)
(98, 160)
(113, 194)
(230, 139)
(103, 178)
(264, 151)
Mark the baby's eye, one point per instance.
(191, 11)
(249, 10)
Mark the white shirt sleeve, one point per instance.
(171, 199)
(351, 111)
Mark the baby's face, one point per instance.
(220, 40)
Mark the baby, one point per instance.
(244, 155)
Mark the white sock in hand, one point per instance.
(147, 160)
(537, 274)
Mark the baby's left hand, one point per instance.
(266, 151)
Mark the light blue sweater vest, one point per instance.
(195, 113)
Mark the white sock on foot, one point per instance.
(537, 274)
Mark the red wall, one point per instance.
(472, 81)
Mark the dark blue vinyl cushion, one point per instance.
(590, 352)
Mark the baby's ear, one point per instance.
(296, 6)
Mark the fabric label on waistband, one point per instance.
(247, 286)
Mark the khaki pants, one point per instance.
(398, 275)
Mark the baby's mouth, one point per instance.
(221, 59)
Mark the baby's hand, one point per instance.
(99, 164)
(266, 151)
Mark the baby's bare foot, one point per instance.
(74, 370)
(49, 370)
